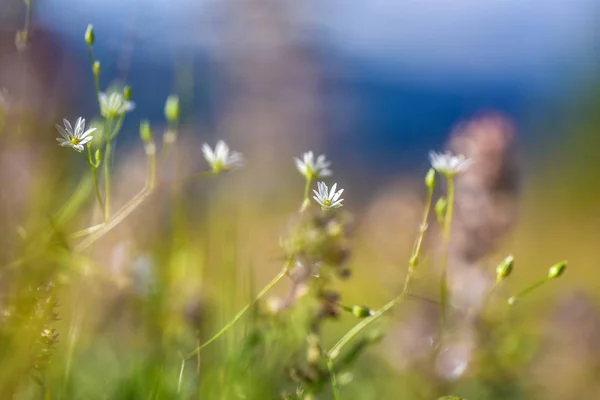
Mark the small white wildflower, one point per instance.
(74, 138)
(328, 198)
(222, 159)
(449, 164)
(114, 104)
(311, 168)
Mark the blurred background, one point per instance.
(375, 85)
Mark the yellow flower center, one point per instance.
(75, 140)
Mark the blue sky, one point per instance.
(526, 39)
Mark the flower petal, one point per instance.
(337, 195)
(86, 133)
(68, 126)
(62, 132)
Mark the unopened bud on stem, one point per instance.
(430, 179)
(172, 108)
(557, 270)
(90, 37)
(504, 269)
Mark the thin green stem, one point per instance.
(241, 313)
(98, 195)
(358, 328)
(306, 200)
(527, 290)
(94, 169)
(117, 127)
(446, 237)
(180, 379)
(96, 78)
(74, 330)
(334, 384)
(419, 241)
(107, 158)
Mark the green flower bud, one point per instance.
(557, 270)
(414, 261)
(172, 108)
(440, 209)
(98, 157)
(90, 37)
(505, 268)
(430, 178)
(127, 93)
(145, 132)
(96, 68)
(361, 311)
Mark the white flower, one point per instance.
(312, 169)
(328, 198)
(114, 105)
(449, 164)
(222, 159)
(74, 138)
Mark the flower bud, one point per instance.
(414, 261)
(430, 179)
(127, 93)
(90, 37)
(98, 156)
(145, 132)
(557, 270)
(361, 312)
(172, 108)
(505, 268)
(440, 209)
(96, 68)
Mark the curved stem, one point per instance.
(241, 313)
(419, 242)
(119, 217)
(527, 290)
(180, 380)
(358, 328)
(87, 231)
(446, 237)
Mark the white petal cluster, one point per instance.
(222, 159)
(449, 164)
(328, 198)
(311, 168)
(114, 104)
(74, 137)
